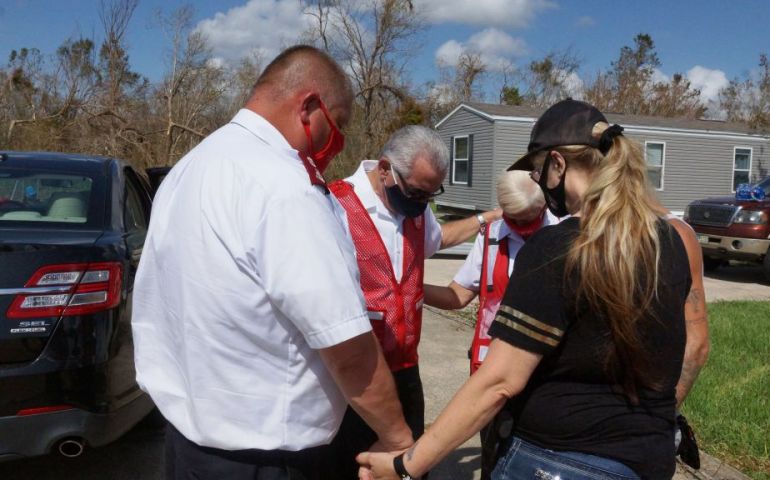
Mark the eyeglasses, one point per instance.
(415, 193)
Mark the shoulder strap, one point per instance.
(485, 277)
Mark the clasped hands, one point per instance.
(377, 463)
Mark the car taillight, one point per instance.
(40, 410)
(71, 289)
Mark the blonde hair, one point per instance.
(518, 194)
(617, 252)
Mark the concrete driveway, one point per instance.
(734, 282)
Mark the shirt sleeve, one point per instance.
(432, 233)
(308, 268)
(532, 314)
(469, 275)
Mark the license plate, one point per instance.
(703, 238)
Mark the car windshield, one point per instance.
(43, 197)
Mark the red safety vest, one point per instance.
(492, 285)
(395, 308)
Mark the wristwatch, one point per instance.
(398, 466)
(481, 220)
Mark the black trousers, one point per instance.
(187, 461)
(355, 436)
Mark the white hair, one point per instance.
(518, 194)
(407, 143)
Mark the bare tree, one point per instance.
(630, 86)
(116, 111)
(546, 79)
(748, 100)
(373, 39)
(625, 87)
(470, 68)
(24, 99)
(676, 99)
(459, 82)
(191, 85)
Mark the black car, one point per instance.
(72, 229)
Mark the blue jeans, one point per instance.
(524, 461)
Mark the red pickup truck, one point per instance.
(731, 229)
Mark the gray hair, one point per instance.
(518, 194)
(405, 144)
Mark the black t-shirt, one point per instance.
(571, 403)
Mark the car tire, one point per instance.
(711, 264)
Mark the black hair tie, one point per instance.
(605, 141)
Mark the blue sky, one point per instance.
(710, 41)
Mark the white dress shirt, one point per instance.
(469, 274)
(391, 225)
(246, 271)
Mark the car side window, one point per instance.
(134, 214)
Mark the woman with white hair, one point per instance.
(486, 272)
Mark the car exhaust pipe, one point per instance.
(71, 447)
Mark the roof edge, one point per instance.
(465, 106)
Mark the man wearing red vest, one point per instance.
(393, 231)
(487, 269)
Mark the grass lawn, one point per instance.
(729, 407)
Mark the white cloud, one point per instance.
(497, 42)
(708, 81)
(449, 52)
(495, 47)
(586, 22)
(498, 13)
(262, 26)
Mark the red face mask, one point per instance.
(333, 146)
(528, 229)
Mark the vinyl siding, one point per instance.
(511, 140)
(700, 166)
(477, 194)
(697, 164)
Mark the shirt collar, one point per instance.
(366, 194)
(503, 230)
(261, 128)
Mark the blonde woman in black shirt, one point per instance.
(589, 342)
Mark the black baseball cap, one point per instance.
(568, 122)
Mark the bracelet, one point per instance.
(481, 219)
(398, 466)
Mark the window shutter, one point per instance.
(451, 159)
(470, 160)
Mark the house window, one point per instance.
(655, 154)
(741, 166)
(460, 160)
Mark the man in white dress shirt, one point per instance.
(250, 330)
(394, 232)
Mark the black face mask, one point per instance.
(555, 197)
(403, 204)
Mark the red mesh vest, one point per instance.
(395, 308)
